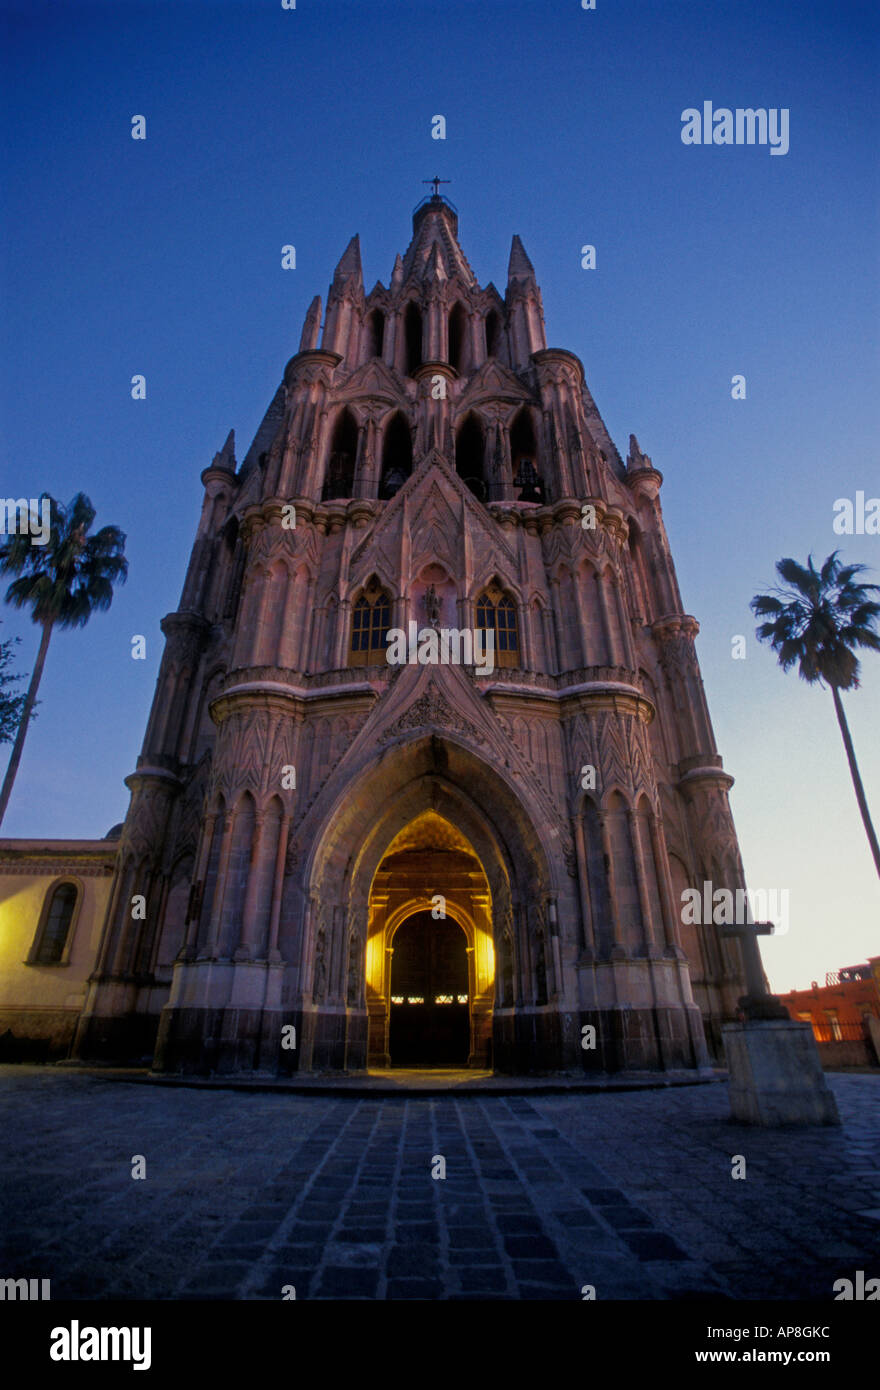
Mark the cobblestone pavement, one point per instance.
(246, 1193)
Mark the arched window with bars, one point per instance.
(52, 938)
(370, 621)
(496, 613)
(524, 458)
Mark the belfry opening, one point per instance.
(430, 959)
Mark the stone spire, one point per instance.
(524, 307)
(635, 458)
(519, 267)
(350, 263)
(435, 224)
(225, 459)
(311, 326)
(345, 300)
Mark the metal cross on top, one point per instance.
(436, 182)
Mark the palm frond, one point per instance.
(73, 575)
(819, 617)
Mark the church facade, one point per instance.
(332, 860)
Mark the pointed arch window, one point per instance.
(375, 333)
(370, 621)
(396, 456)
(51, 940)
(457, 336)
(524, 457)
(339, 481)
(469, 449)
(493, 333)
(496, 612)
(412, 330)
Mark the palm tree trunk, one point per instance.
(29, 702)
(854, 773)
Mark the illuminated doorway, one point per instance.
(430, 1013)
(430, 939)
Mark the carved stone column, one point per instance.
(249, 926)
(641, 876)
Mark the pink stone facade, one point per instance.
(298, 797)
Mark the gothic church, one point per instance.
(343, 863)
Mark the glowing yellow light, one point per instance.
(375, 961)
(397, 998)
(415, 999)
(462, 999)
(442, 998)
(490, 959)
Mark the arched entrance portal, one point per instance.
(429, 1023)
(427, 824)
(430, 958)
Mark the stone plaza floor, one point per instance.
(245, 1194)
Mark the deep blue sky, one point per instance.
(267, 126)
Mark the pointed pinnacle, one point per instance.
(226, 457)
(519, 266)
(350, 260)
(435, 268)
(311, 326)
(635, 459)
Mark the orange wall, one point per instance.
(850, 1000)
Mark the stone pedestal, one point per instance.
(776, 1076)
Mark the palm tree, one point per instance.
(817, 620)
(11, 705)
(63, 583)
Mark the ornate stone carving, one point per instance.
(677, 656)
(184, 639)
(505, 970)
(540, 972)
(143, 835)
(434, 522)
(291, 856)
(432, 710)
(675, 640)
(319, 986)
(51, 868)
(253, 745)
(192, 809)
(353, 987)
(616, 744)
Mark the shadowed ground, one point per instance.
(246, 1193)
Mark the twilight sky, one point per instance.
(267, 126)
